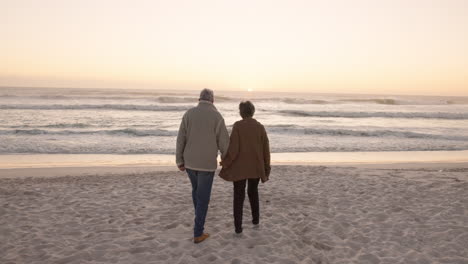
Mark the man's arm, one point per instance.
(180, 145)
(222, 138)
(233, 149)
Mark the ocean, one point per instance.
(114, 121)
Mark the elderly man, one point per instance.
(202, 133)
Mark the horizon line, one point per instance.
(224, 90)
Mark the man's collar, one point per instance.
(204, 102)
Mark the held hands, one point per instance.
(223, 164)
(181, 167)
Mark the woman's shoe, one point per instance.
(201, 238)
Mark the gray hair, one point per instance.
(207, 95)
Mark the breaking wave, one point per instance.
(114, 132)
(426, 115)
(376, 101)
(126, 107)
(285, 129)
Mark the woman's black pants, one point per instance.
(239, 197)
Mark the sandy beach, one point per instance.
(309, 214)
(359, 109)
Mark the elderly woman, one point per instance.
(247, 161)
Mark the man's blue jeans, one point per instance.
(201, 192)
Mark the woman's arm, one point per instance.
(233, 149)
(266, 152)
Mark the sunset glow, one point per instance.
(364, 46)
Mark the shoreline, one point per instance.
(135, 169)
(13, 161)
(55, 165)
(57, 172)
(58, 165)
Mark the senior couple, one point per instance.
(245, 158)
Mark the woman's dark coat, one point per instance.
(248, 155)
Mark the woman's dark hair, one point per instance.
(246, 109)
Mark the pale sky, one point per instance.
(329, 46)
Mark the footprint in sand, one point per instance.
(173, 244)
(212, 258)
(171, 226)
(148, 238)
(321, 246)
(139, 250)
(235, 261)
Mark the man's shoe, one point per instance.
(201, 238)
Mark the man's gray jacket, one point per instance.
(202, 133)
